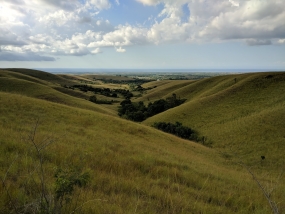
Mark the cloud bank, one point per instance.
(47, 29)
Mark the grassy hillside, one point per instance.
(241, 115)
(134, 168)
(51, 78)
(161, 89)
(38, 88)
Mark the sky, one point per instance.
(143, 34)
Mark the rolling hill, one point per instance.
(132, 167)
(26, 84)
(241, 115)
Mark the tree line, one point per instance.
(105, 91)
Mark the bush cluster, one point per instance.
(105, 91)
(94, 99)
(139, 112)
(177, 129)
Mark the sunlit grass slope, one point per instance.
(243, 115)
(52, 78)
(33, 87)
(162, 89)
(134, 168)
(17, 75)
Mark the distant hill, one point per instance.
(42, 75)
(44, 86)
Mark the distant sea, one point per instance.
(118, 71)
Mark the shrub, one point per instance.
(93, 99)
(139, 112)
(177, 129)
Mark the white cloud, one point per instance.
(73, 27)
(169, 30)
(234, 3)
(252, 20)
(120, 50)
(281, 41)
(122, 36)
(58, 18)
(99, 4)
(96, 51)
(149, 2)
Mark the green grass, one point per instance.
(32, 89)
(132, 166)
(245, 119)
(162, 89)
(52, 78)
(135, 168)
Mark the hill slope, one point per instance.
(133, 168)
(42, 75)
(19, 83)
(162, 89)
(242, 115)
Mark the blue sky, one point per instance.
(187, 34)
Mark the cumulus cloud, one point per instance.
(234, 3)
(121, 50)
(99, 4)
(63, 4)
(9, 38)
(149, 2)
(281, 41)
(251, 20)
(122, 36)
(96, 51)
(58, 18)
(75, 27)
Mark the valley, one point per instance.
(65, 149)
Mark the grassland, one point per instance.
(161, 89)
(241, 115)
(135, 168)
